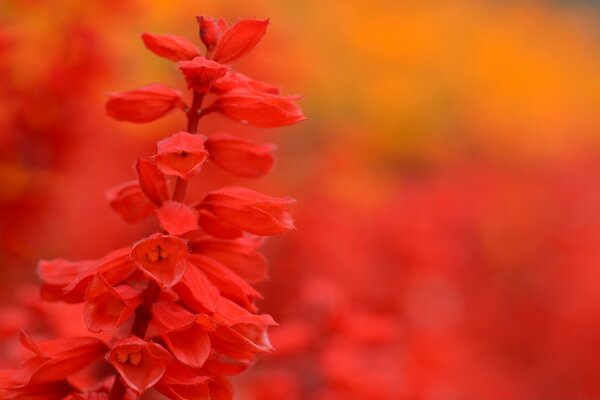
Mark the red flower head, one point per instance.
(239, 39)
(141, 364)
(181, 154)
(145, 104)
(177, 218)
(162, 258)
(173, 47)
(129, 202)
(201, 72)
(108, 307)
(262, 110)
(185, 334)
(240, 157)
(54, 360)
(251, 211)
(210, 30)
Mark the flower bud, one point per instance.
(144, 104)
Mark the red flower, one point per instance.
(235, 80)
(185, 334)
(162, 258)
(181, 154)
(262, 110)
(173, 47)
(152, 181)
(108, 307)
(240, 157)
(241, 256)
(129, 202)
(56, 359)
(177, 218)
(183, 383)
(144, 104)
(240, 39)
(215, 227)
(141, 364)
(250, 211)
(201, 72)
(196, 291)
(211, 30)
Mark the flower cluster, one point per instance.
(175, 311)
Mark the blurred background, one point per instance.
(448, 242)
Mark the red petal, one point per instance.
(177, 218)
(152, 181)
(215, 227)
(229, 284)
(144, 104)
(181, 154)
(235, 80)
(173, 47)
(56, 359)
(240, 157)
(200, 73)
(129, 201)
(251, 211)
(197, 291)
(108, 307)
(262, 110)
(141, 364)
(240, 39)
(181, 382)
(241, 256)
(162, 258)
(209, 31)
(220, 389)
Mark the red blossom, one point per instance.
(129, 202)
(144, 104)
(108, 307)
(241, 256)
(200, 73)
(239, 39)
(56, 359)
(181, 382)
(262, 110)
(217, 228)
(185, 334)
(240, 157)
(210, 30)
(173, 47)
(181, 154)
(235, 80)
(152, 181)
(162, 258)
(251, 211)
(141, 364)
(197, 291)
(177, 218)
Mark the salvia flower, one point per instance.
(175, 311)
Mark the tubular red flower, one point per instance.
(240, 157)
(181, 154)
(141, 364)
(235, 80)
(251, 211)
(200, 73)
(185, 334)
(108, 307)
(173, 47)
(212, 225)
(161, 258)
(56, 359)
(210, 30)
(262, 110)
(197, 291)
(239, 39)
(177, 218)
(129, 202)
(144, 104)
(152, 181)
(241, 256)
